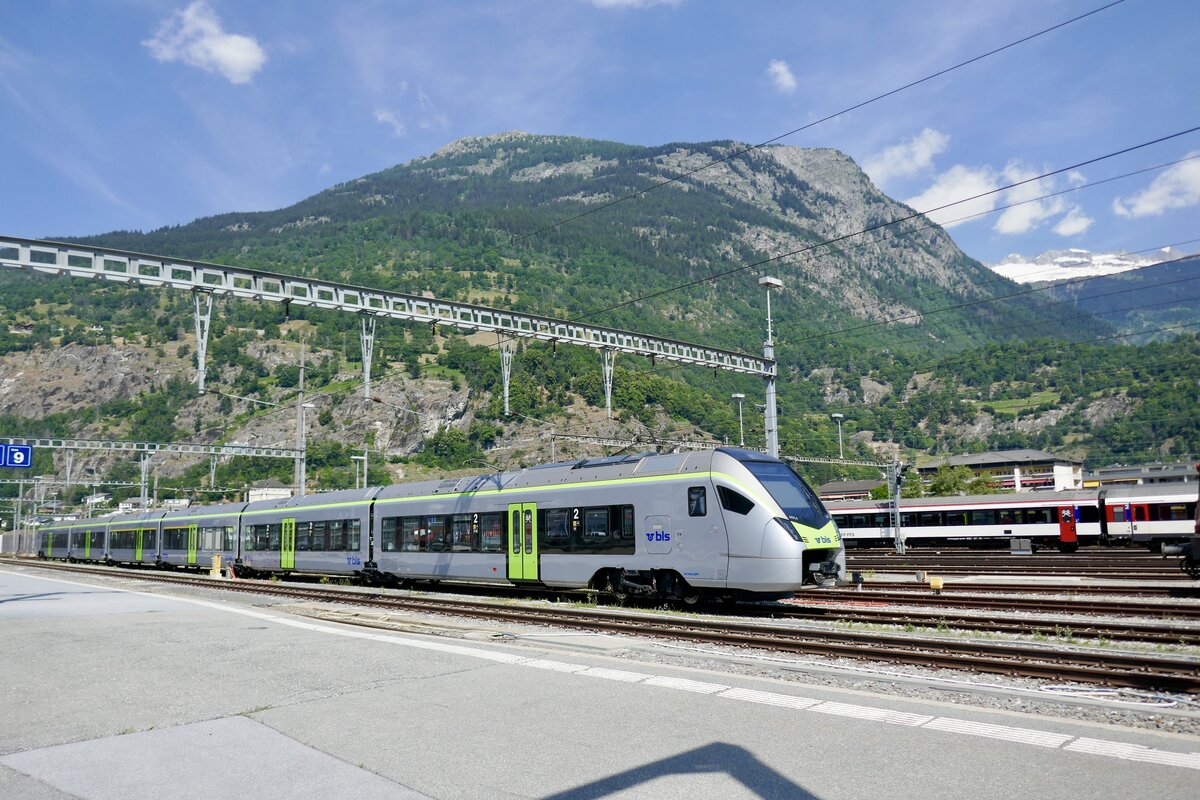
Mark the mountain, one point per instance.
(1057, 265)
(480, 219)
(1142, 301)
(897, 329)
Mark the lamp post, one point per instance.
(739, 397)
(302, 446)
(838, 419)
(771, 412)
(363, 459)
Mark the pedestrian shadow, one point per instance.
(737, 762)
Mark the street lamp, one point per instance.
(838, 419)
(363, 459)
(739, 397)
(769, 355)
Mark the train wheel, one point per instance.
(612, 584)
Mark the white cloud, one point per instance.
(325, 169)
(781, 76)
(907, 158)
(1074, 223)
(957, 183)
(1031, 213)
(194, 36)
(1178, 187)
(391, 119)
(1076, 178)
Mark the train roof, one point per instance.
(1014, 498)
(1152, 492)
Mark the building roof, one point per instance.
(841, 487)
(1003, 458)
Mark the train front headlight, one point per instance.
(789, 527)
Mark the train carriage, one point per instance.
(1061, 519)
(133, 538)
(191, 537)
(1150, 515)
(327, 533)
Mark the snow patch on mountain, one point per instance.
(1057, 265)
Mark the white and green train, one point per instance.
(724, 523)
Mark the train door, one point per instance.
(522, 542)
(87, 545)
(138, 542)
(287, 544)
(1120, 521)
(1068, 534)
(193, 541)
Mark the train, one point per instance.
(727, 524)
(1150, 515)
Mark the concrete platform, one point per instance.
(109, 693)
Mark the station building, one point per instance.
(1021, 470)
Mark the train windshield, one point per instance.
(794, 496)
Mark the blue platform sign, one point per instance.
(16, 455)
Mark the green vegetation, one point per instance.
(968, 376)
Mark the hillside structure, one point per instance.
(1017, 470)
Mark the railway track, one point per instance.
(1023, 659)
(1148, 567)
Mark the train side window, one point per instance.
(492, 527)
(697, 501)
(627, 523)
(956, 518)
(906, 520)
(595, 524)
(462, 537)
(881, 520)
(555, 525)
(1039, 516)
(984, 517)
(411, 534)
(929, 518)
(388, 541)
(1140, 515)
(732, 501)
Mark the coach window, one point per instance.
(929, 518)
(627, 523)
(463, 538)
(493, 532)
(956, 518)
(987, 517)
(1008, 516)
(732, 501)
(1039, 516)
(595, 525)
(388, 540)
(555, 528)
(697, 501)
(413, 535)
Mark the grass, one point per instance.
(1020, 404)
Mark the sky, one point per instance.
(138, 114)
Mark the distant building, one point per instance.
(98, 499)
(848, 490)
(175, 503)
(270, 489)
(1140, 474)
(130, 505)
(1019, 470)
